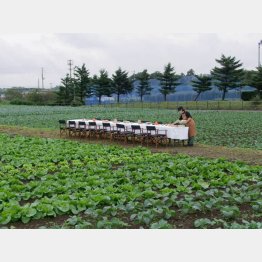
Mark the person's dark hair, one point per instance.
(180, 108)
(188, 114)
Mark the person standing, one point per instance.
(190, 123)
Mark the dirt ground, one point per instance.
(249, 156)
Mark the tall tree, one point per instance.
(201, 84)
(190, 72)
(257, 81)
(65, 94)
(82, 83)
(168, 81)
(102, 85)
(122, 85)
(155, 75)
(248, 77)
(229, 75)
(143, 87)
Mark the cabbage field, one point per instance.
(53, 183)
(225, 128)
(59, 183)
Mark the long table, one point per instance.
(173, 132)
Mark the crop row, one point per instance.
(100, 186)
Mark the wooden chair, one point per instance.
(156, 136)
(62, 127)
(93, 130)
(121, 133)
(106, 130)
(71, 128)
(137, 134)
(82, 129)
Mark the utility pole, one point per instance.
(70, 63)
(38, 82)
(259, 43)
(43, 78)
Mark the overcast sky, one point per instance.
(131, 34)
(23, 55)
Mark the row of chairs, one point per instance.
(135, 134)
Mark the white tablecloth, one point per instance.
(173, 132)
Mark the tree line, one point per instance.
(228, 75)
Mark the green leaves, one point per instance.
(5, 218)
(115, 187)
(230, 211)
(62, 206)
(203, 223)
(161, 224)
(203, 184)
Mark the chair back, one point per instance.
(72, 124)
(82, 125)
(106, 126)
(151, 130)
(62, 123)
(120, 126)
(136, 129)
(92, 125)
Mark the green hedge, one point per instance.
(248, 95)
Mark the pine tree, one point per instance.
(121, 83)
(65, 95)
(102, 85)
(143, 87)
(229, 75)
(190, 72)
(168, 81)
(82, 83)
(201, 84)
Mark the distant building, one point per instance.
(93, 100)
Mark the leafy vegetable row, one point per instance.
(100, 186)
